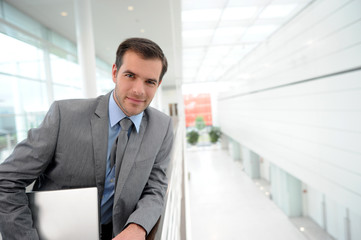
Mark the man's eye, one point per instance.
(129, 75)
(151, 82)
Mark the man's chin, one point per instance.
(134, 111)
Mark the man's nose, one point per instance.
(138, 87)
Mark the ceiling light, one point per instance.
(198, 33)
(201, 15)
(277, 11)
(203, 73)
(130, 8)
(190, 72)
(64, 14)
(196, 42)
(262, 29)
(259, 33)
(245, 76)
(195, 54)
(228, 35)
(197, 38)
(142, 30)
(239, 13)
(302, 229)
(230, 60)
(217, 51)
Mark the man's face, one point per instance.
(136, 82)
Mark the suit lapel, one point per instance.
(122, 172)
(99, 126)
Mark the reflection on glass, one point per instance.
(22, 21)
(21, 59)
(33, 72)
(22, 106)
(65, 72)
(32, 96)
(104, 81)
(64, 92)
(61, 42)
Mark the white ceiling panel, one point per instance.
(201, 15)
(208, 37)
(239, 26)
(239, 13)
(227, 35)
(278, 11)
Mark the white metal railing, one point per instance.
(173, 225)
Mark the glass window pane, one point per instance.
(1, 9)
(62, 42)
(19, 35)
(22, 106)
(21, 59)
(103, 65)
(63, 92)
(103, 77)
(104, 81)
(23, 21)
(32, 95)
(64, 71)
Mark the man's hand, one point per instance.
(132, 232)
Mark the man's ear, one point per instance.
(160, 81)
(114, 73)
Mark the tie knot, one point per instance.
(125, 124)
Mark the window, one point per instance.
(37, 66)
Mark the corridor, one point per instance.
(226, 204)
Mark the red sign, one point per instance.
(198, 105)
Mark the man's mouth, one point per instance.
(135, 100)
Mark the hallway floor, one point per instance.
(225, 204)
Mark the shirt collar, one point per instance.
(116, 114)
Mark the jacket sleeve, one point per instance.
(150, 205)
(28, 160)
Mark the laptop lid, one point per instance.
(66, 214)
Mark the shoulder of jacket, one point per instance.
(155, 113)
(79, 104)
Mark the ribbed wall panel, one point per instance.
(301, 109)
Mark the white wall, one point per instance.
(314, 202)
(264, 169)
(311, 129)
(169, 96)
(355, 229)
(335, 219)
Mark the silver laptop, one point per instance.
(66, 214)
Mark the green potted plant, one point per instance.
(214, 134)
(192, 137)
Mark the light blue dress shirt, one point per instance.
(115, 115)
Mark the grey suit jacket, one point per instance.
(69, 149)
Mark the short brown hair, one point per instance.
(146, 48)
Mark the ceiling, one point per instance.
(218, 35)
(202, 39)
(158, 20)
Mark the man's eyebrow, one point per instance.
(128, 71)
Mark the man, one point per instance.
(73, 148)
